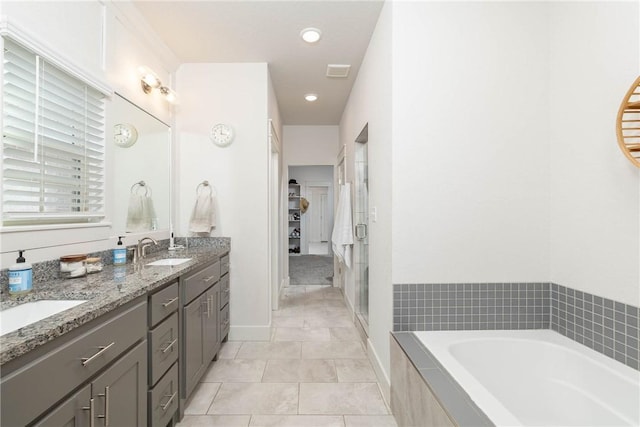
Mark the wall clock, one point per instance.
(221, 135)
(124, 135)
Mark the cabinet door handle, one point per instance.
(106, 406)
(208, 279)
(210, 304)
(171, 301)
(171, 397)
(207, 308)
(169, 346)
(91, 409)
(103, 348)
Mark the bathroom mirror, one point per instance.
(138, 164)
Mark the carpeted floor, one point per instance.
(311, 270)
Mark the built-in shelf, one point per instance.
(295, 234)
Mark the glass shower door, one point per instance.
(362, 228)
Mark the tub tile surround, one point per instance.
(604, 325)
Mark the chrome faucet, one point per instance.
(142, 249)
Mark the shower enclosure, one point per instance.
(361, 219)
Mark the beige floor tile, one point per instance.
(324, 321)
(269, 350)
(288, 322)
(355, 371)
(235, 371)
(255, 398)
(370, 421)
(215, 421)
(341, 399)
(296, 421)
(229, 349)
(201, 398)
(344, 334)
(333, 350)
(302, 334)
(300, 370)
(288, 311)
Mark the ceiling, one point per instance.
(269, 31)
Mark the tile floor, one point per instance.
(313, 372)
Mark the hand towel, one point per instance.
(135, 213)
(202, 218)
(342, 235)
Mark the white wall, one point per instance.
(470, 143)
(105, 42)
(370, 102)
(310, 145)
(235, 94)
(595, 192)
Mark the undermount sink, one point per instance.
(170, 261)
(25, 314)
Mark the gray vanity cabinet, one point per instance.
(200, 333)
(163, 339)
(106, 357)
(74, 412)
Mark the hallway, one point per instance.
(313, 372)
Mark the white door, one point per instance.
(318, 219)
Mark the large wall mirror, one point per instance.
(139, 168)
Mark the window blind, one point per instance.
(53, 143)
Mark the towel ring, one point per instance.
(141, 184)
(204, 183)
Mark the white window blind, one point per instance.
(53, 143)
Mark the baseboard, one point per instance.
(249, 333)
(383, 379)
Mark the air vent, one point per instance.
(337, 70)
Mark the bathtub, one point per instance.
(537, 378)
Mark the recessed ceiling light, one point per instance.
(311, 97)
(310, 35)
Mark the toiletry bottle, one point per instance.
(120, 253)
(20, 276)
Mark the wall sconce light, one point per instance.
(150, 80)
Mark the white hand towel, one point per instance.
(342, 236)
(202, 218)
(135, 213)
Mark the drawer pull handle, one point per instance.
(226, 291)
(91, 409)
(171, 301)
(106, 406)
(208, 279)
(171, 397)
(87, 360)
(169, 346)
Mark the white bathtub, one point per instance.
(538, 378)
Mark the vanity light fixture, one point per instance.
(149, 80)
(311, 97)
(310, 35)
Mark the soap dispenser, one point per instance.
(20, 276)
(119, 253)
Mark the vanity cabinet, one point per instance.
(163, 340)
(225, 291)
(106, 360)
(200, 331)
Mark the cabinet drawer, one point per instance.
(200, 281)
(224, 291)
(224, 264)
(163, 303)
(224, 322)
(163, 347)
(163, 398)
(46, 379)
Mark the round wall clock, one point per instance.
(221, 135)
(124, 135)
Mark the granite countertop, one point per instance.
(107, 290)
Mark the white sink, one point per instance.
(25, 314)
(170, 261)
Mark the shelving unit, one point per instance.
(294, 229)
